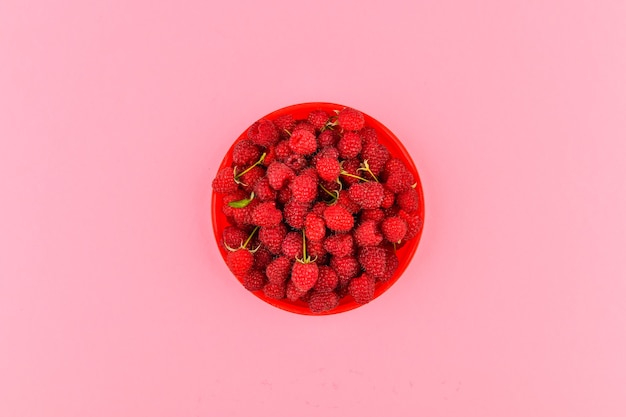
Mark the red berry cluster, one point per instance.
(317, 208)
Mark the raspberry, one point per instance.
(311, 172)
(373, 259)
(314, 227)
(282, 150)
(327, 138)
(349, 145)
(367, 234)
(283, 196)
(304, 275)
(278, 270)
(350, 167)
(303, 125)
(394, 229)
(369, 136)
(275, 291)
(323, 301)
(388, 199)
(346, 202)
(294, 293)
(254, 280)
(327, 279)
(318, 208)
(270, 156)
(262, 258)
(229, 198)
(250, 178)
(346, 267)
(279, 175)
(372, 214)
(328, 168)
(318, 119)
(303, 142)
(266, 215)
(362, 288)
(397, 177)
(240, 262)
(303, 188)
(368, 195)
(263, 191)
(272, 237)
(245, 153)
(340, 245)
(338, 218)
(376, 156)
(263, 132)
(243, 216)
(315, 248)
(296, 162)
(234, 237)
(285, 123)
(292, 245)
(350, 119)
(224, 181)
(414, 224)
(294, 213)
(391, 265)
(408, 200)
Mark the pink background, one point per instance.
(114, 300)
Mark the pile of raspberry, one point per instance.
(317, 209)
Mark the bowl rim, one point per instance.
(408, 249)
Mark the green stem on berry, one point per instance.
(237, 176)
(243, 202)
(366, 167)
(334, 194)
(347, 174)
(305, 258)
(249, 238)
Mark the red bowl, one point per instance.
(396, 149)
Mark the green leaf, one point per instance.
(241, 203)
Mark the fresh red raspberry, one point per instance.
(250, 178)
(270, 156)
(283, 196)
(294, 213)
(272, 237)
(362, 288)
(224, 181)
(245, 153)
(323, 301)
(314, 227)
(327, 138)
(254, 280)
(394, 229)
(349, 145)
(285, 124)
(350, 166)
(388, 199)
(408, 200)
(278, 270)
(263, 132)
(266, 215)
(275, 291)
(338, 218)
(350, 119)
(391, 265)
(243, 216)
(327, 279)
(296, 162)
(318, 208)
(367, 234)
(303, 188)
(303, 142)
(240, 262)
(233, 237)
(282, 150)
(373, 259)
(262, 257)
(396, 176)
(315, 248)
(318, 119)
(304, 125)
(372, 214)
(369, 136)
(292, 245)
(229, 198)
(346, 202)
(414, 224)
(328, 168)
(346, 268)
(340, 245)
(294, 293)
(368, 195)
(376, 156)
(304, 275)
(279, 175)
(263, 191)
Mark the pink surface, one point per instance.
(114, 300)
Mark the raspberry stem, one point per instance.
(249, 238)
(347, 174)
(237, 176)
(305, 258)
(366, 167)
(334, 194)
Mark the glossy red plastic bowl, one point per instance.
(396, 149)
